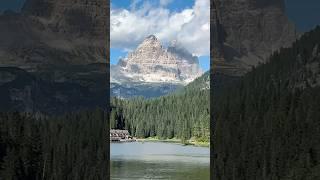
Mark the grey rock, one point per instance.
(251, 30)
(151, 62)
(53, 57)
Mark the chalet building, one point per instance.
(120, 135)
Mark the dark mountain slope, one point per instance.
(59, 48)
(267, 123)
(54, 90)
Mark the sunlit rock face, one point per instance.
(151, 62)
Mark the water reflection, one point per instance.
(158, 161)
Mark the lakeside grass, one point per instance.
(192, 141)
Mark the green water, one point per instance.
(156, 160)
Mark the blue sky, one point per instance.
(174, 5)
(305, 14)
(184, 20)
(14, 5)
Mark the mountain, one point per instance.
(267, 121)
(54, 32)
(52, 56)
(150, 62)
(199, 84)
(147, 90)
(152, 65)
(248, 31)
(78, 18)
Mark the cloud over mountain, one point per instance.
(190, 26)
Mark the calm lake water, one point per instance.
(157, 160)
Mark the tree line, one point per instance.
(72, 146)
(182, 114)
(267, 124)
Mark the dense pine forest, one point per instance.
(183, 114)
(267, 124)
(72, 146)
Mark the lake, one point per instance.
(158, 160)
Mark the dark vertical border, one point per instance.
(107, 50)
(211, 88)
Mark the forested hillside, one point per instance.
(183, 114)
(268, 122)
(68, 147)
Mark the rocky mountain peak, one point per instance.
(151, 62)
(152, 37)
(150, 43)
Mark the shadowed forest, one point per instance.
(72, 146)
(267, 124)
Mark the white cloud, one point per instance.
(191, 27)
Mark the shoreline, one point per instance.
(176, 141)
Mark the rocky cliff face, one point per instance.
(151, 62)
(76, 17)
(53, 56)
(251, 31)
(54, 32)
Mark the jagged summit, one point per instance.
(150, 44)
(152, 37)
(151, 62)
